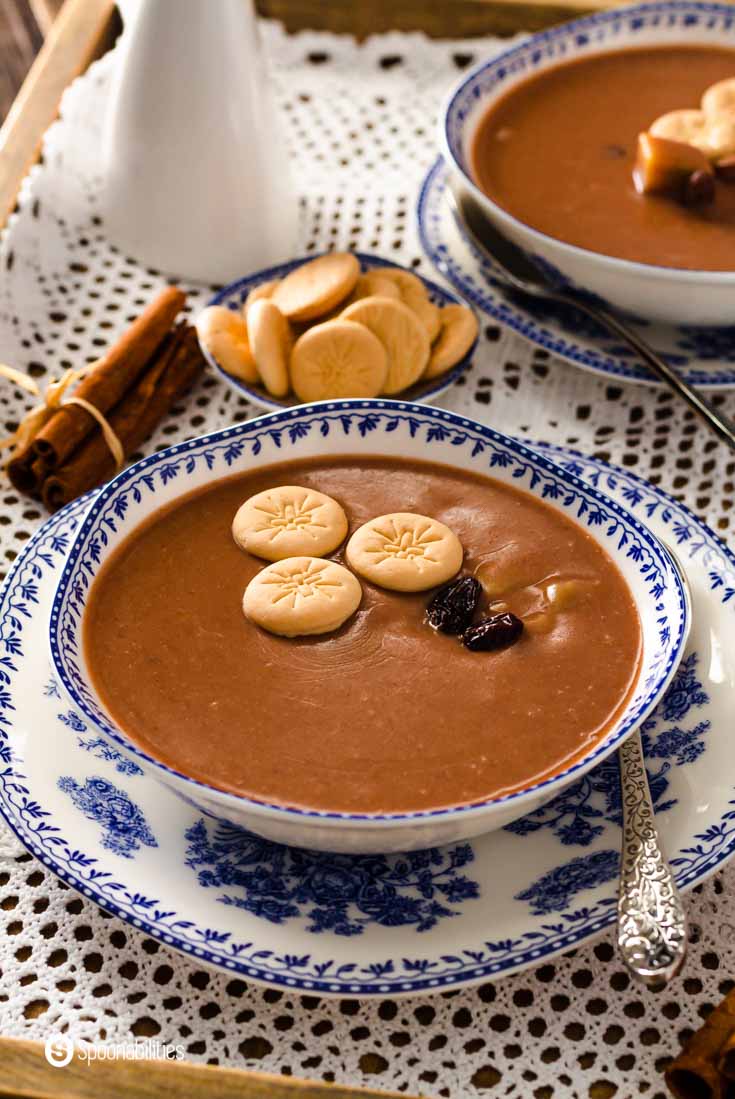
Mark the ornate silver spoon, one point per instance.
(652, 925)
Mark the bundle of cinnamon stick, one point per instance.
(132, 387)
(705, 1068)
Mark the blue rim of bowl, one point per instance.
(642, 12)
(511, 315)
(239, 290)
(383, 407)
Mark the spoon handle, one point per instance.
(652, 928)
(720, 424)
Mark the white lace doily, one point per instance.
(360, 122)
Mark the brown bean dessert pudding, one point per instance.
(558, 152)
(465, 641)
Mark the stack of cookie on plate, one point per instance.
(327, 331)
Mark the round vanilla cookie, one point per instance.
(405, 551)
(689, 126)
(302, 595)
(458, 333)
(289, 521)
(719, 99)
(402, 335)
(338, 359)
(224, 335)
(372, 283)
(263, 290)
(270, 341)
(414, 294)
(311, 290)
(721, 136)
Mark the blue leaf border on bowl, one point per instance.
(234, 294)
(219, 450)
(46, 551)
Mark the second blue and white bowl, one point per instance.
(674, 295)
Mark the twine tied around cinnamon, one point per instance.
(52, 399)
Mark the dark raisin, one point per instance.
(699, 189)
(497, 632)
(453, 606)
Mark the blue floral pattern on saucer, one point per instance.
(554, 891)
(124, 828)
(704, 356)
(339, 893)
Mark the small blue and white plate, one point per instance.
(365, 925)
(704, 357)
(233, 297)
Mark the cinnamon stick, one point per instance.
(28, 477)
(696, 1072)
(727, 1055)
(107, 384)
(22, 467)
(171, 373)
(22, 471)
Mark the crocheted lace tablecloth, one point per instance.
(360, 124)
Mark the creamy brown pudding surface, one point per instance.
(558, 150)
(385, 714)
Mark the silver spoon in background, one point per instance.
(652, 924)
(519, 272)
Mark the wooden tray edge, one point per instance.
(83, 30)
(27, 1073)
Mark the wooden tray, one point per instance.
(27, 1074)
(78, 31)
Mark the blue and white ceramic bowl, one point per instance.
(234, 295)
(661, 293)
(384, 428)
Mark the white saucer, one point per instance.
(371, 925)
(705, 357)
